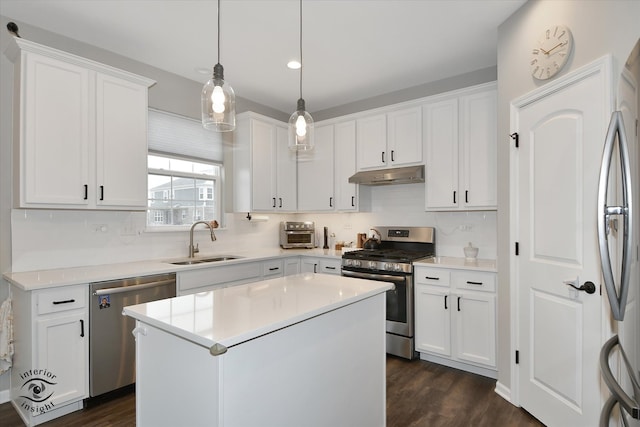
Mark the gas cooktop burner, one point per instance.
(392, 255)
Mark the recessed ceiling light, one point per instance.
(294, 65)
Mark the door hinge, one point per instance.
(517, 357)
(516, 138)
(517, 249)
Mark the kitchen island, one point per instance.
(303, 350)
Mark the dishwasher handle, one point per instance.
(122, 289)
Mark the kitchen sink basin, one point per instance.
(205, 260)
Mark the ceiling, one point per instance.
(352, 49)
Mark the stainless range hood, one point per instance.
(406, 175)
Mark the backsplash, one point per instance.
(45, 239)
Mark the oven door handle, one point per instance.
(379, 277)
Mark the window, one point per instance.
(184, 172)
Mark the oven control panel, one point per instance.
(377, 265)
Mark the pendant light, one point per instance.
(218, 99)
(300, 123)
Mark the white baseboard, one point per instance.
(503, 391)
(4, 396)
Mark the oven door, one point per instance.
(399, 299)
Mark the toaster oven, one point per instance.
(297, 234)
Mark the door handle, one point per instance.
(588, 287)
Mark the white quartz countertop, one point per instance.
(460, 263)
(233, 315)
(42, 279)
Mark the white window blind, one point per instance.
(170, 133)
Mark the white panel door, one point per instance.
(121, 143)
(441, 142)
(315, 173)
(55, 122)
(345, 165)
(263, 162)
(61, 349)
(559, 333)
(286, 182)
(433, 319)
(372, 142)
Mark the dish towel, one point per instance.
(6, 335)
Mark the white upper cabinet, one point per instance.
(264, 169)
(80, 133)
(460, 143)
(345, 166)
(390, 140)
(315, 173)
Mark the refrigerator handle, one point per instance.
(617, 301)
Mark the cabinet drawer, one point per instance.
(61, 299)
(273, 268)
(474, 280)
(218, 275)
(432, 276)
(330, 266)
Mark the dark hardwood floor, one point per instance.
(419, 393)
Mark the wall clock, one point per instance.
(551, 52)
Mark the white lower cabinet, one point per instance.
(320, 265)
(456, 318)
(49, 377)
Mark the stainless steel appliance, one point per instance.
(297, 234)
(392, 261)
(111, 344)
(618, 246)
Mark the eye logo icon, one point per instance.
(37, 390)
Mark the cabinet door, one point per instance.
(433, 320)
(315, 173)
(371, 139)
(121, 143)
(478, 136)
(345, 164)
(291, 266)
(309, 265)
(404, 137)
(286, 172)
(263, 163)
(62, 349)
(55, 110)
(441, 142)
(475, 328)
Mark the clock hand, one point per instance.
(544, 51)
(555, 47)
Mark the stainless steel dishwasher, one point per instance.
(111, 344)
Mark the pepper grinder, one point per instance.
(326, 238)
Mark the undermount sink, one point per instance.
(205, 260)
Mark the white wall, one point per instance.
(44, 239)
(599, 27)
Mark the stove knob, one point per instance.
(356, 263)
(387, 266)
(397, 267)
(348, 262)
(372, 264)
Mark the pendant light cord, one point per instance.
(301, 49)
(218, 31)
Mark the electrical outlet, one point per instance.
(465, 227)
(100, 228)
(128, 229)
(348, 226)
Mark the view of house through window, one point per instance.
(182, 191)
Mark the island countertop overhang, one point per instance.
(233, 315)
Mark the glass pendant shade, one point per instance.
(301, 133)
(218, 103)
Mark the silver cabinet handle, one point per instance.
(617, 301)
(122, 289)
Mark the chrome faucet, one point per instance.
(196, 249)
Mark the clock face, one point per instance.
(551, 52)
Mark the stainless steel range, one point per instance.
(392, 261)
